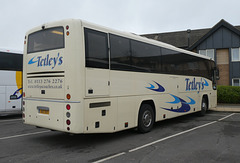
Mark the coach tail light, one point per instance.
(68, 122)
(67, 28)
(68, 115)
(68, 96)
(68, 107)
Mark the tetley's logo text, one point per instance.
(46, 61)
(193, 85)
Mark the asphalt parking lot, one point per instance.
(212, 138)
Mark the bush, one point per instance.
(228, 94)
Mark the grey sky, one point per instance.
(137, 16)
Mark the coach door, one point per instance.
(97, 63)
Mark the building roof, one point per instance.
(180, 38)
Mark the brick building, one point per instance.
(221, 42)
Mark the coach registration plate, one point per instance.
(44, 111)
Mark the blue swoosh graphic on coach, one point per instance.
(17, 92)
(31, 61)
(176, 100)
(184, 108)
(153, 88)
(192, 102)
(206, 83)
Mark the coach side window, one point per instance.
(96, 47)
(170, 62)
(10, 61)
(145, 57)
(120, 53)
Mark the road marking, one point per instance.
(160, 140)
(11, 120)
(15, 136)
(110, 157)
(180, 133)
(217, 115)
(226, 117)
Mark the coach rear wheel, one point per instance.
(145, 118)
(204, 107)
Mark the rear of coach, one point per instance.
(52, 80)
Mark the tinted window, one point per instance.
(47, 39)
(191, 65)
(145, 57)
(10, 61)
(183, 64)
(132, 55)
(170, 61)
(96, 46)
(120, 53)
(206, 68)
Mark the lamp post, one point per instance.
(188, 36)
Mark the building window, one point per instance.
(236, 82)
(207, 52)
(235, 54)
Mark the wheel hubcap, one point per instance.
(204, 106)
(147, 118)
